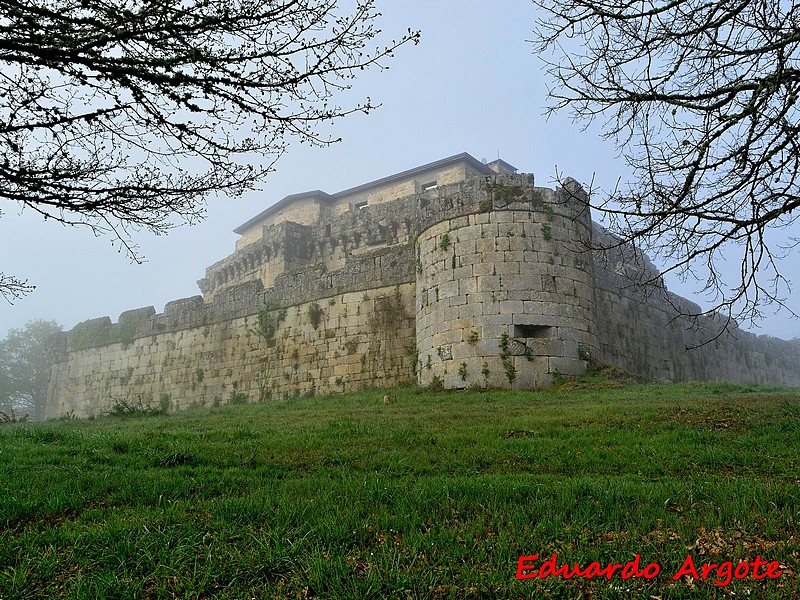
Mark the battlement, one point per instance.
(456, 273)
(317, 227)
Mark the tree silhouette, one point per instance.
(123, 115)
(701, 97)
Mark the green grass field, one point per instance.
(435, 496)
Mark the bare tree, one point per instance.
(701, 98)
(120, 115)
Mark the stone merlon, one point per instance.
(457, 272)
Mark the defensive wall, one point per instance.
(455, 273)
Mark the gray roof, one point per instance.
(330, 198)
(503, 164)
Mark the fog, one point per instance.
(473, 85)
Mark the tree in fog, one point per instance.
(701, 98)
(127, 114)
(25, 369)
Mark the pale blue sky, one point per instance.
(473, 85)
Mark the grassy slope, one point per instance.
(435, 496)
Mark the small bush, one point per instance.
(315, 314)
(237, 398)
(12, 418)
(485, 373)
(266, 324)
(436, 384)
(124, 408)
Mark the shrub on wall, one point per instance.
(268, 324)
(390, 313)
(315, 314)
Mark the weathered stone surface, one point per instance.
(479, 281)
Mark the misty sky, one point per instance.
(473, 85)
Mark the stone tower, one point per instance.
(505, 293)
(457, 272)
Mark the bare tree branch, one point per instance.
(12, 288)
(127, 115)
(701, 97)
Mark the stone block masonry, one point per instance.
(339, 343)
(474, 278)
(487, 281)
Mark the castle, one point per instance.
(455, 273)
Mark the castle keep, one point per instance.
(456, 272)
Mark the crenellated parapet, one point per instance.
(456, 273)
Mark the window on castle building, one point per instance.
(427, 187)
(531, 331)
(360, 204)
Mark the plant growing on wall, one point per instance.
(528, 353)
(510, 369)
(485, 373)
(91, 334)
(125, 379)
(505, 344)
(505, 194)
(390, 313)
(583, 353)
(267, 324)
(315, 314)
(505, 355)
(351, 345)
(264, 383)
(126, 331)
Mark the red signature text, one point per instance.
(528, 567)
(725, 571)
(549, 568)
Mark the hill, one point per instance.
(436, 495)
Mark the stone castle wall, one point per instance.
(505, 296)
(650, 339)
(484, 282)
(249, 345)
(329, 244)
